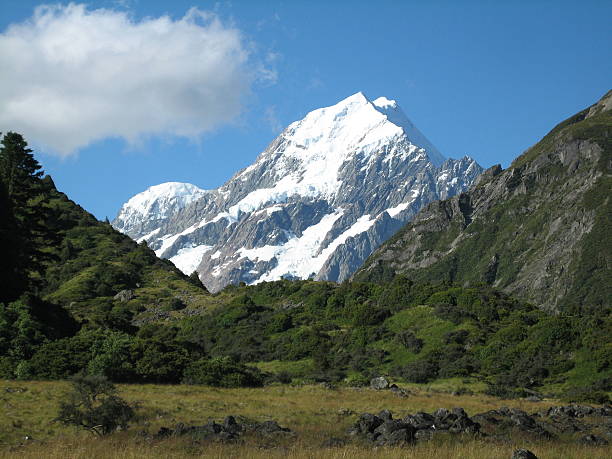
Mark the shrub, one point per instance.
(280, 323)
(222, 372)
(94, 405)
(357, 381)
(585, 394)
(420, 371)
(410, 341)
(283, 377)
(456, 337)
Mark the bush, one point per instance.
(357, 381)
(222, 372)
(420, 371)
(585, 395)
(410, 341)
(283, 377)
(94, 405)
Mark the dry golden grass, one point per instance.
(312, 412)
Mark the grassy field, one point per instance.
(315, 414)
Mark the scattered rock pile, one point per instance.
(383, 430)
(550, 423)
(592, 426)
(229, 430)
(504, 419)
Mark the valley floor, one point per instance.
(314, 414)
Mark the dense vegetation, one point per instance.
(77, 296)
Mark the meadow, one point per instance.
(314, 413)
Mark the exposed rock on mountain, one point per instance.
(316, 203)
(541, 230)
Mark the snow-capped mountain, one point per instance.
(147, 211)
(324, 194)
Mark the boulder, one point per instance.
(593, 440)
(367, 423)
(398, 391)
(420, 420)
(523, 454)
(379, 383)
(124, 296)
(397, 437)
(270, 427)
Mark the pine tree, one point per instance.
(24, 224)
(19, 170)
(12, 272)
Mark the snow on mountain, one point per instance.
(154, 205)
(323, 195)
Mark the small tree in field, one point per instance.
(94, 405)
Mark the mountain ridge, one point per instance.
(327, 191)
(539, 230)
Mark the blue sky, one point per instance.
(487, 79)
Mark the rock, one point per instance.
(270, 427)
(367, 423)
(230, 425)
(379, 383)
(397, 437)
(163, 432)
(345, 412)
(464, 425)
(398, 391)
(593, 440)
(389, 427)
(420, 420)
(124, 296)
(385, 415)
(15, 390)
(523, 454)
(230, 430)
(533, 398)
(443, 419)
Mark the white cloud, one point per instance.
(70, 76)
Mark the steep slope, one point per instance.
(146, 211)
(102, 276)
(325, 193)
(540, 230)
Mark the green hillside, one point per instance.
(540, 230)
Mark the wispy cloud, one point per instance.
(71, 76)
(272, 119)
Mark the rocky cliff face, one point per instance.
(540, 230)
(325, 193)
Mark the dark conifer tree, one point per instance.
(19, 170)
(25, 225)
(12, 272)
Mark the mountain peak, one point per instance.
(157, 203)
(383, 102)
(326, 192)
(167, 190)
